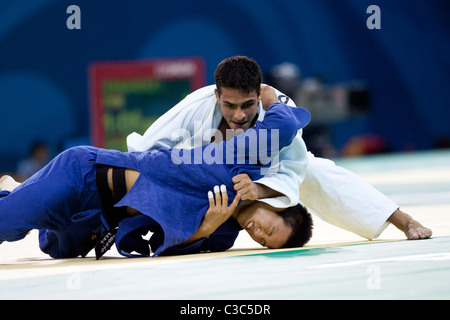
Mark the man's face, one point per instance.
(264, 225)
(238, 108)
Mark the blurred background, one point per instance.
(369, 90)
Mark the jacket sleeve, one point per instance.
(290, 172)
(290, 169)
(279, 151)
(220, 240)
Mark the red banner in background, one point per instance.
(127, 96)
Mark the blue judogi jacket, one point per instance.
(171, 191)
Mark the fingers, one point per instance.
(235, 202)
(217, 197)
(239, 177)
(244, 186)
(211, 199)
(241, 181)
(220, 198)
(223, 190)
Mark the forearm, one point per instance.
(218, 213)
(266, 192)
(218, 241)
(199, 234)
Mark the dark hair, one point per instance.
(300, 220)
(238, 72)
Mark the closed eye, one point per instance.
(263, 241)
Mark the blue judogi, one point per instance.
(63, 202)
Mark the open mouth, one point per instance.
(239, 124)
(250, 225)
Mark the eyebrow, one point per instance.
(251, 101)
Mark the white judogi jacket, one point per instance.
(331, 192)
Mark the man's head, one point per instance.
(301, 222)
(274, 227)
(238, 80)
(240, 73)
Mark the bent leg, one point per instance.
(343, 199)
(77, 240)
(10, 229)
(50, 198)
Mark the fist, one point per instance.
(268, 96)
(245, 187)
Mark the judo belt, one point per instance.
(113, 215)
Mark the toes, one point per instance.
(412, 235)
(425, 233)
(417, 231)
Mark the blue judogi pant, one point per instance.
(62, 197)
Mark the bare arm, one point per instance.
(249, 190)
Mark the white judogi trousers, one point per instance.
(331, 192)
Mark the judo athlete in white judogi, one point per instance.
(333, 193)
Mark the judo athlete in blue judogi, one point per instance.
(65, 202)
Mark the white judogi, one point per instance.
(333, 193)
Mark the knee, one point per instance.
(49, 244)
(78, 150)
(79, 153)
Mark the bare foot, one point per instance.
(8, 183)
(414, 231)
(412, 228)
